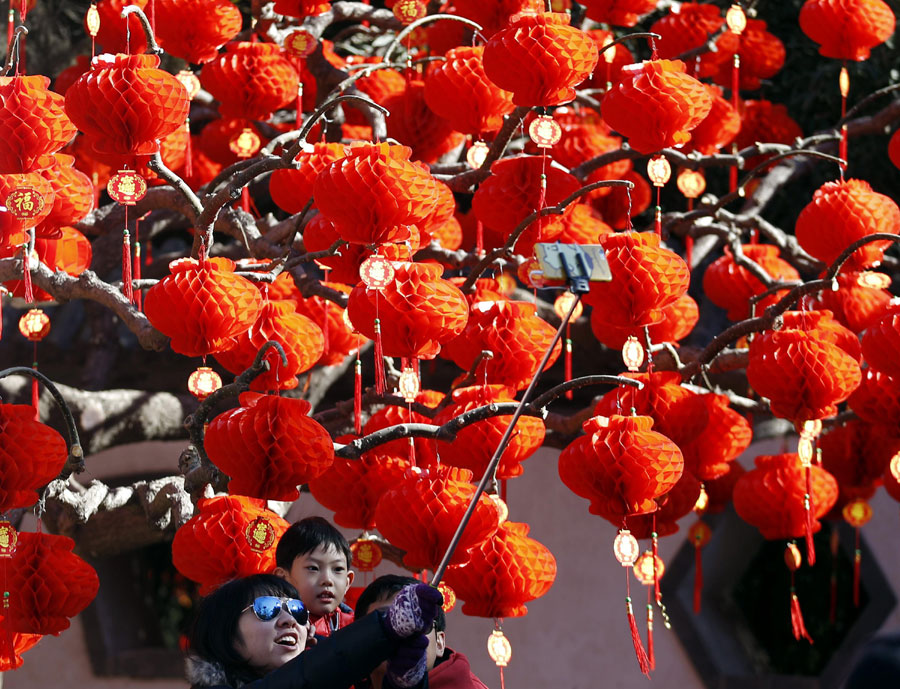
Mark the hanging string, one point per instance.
(35, 389)
(357, 390)
(810, 545)
(651, 655)
(26, 271)
(138, 294)
(857, 560)
(844, 85)
(568, 359)
(380, 382)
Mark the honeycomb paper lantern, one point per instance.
(881, 343)
(618, 12)
(422, 511)
(674, 505)
(718, 128)
(202, 305)
(374, 194)
(540, 58)
(687, 27)
(69, 253)
(679, 319)
(720, 490)
(506, 571)
(229, 536)
(842, 212)
(269, 446)
(419, 311)
(421, 450)
(656, 104)
(340, 340)
(353, 487)
(124, 104)
(195, 29)
(414, 124)
(894, 148)
(645, 279)
(857, 455)
(31, 455)
(33, 122)
(761, 54)
(847, 29)
(582, 226)
(48, 584)
(459, 91)
(514, 333)
(620, 465)
(877, 399)
(475, 444)
(292, 188)
(726, 435)
(803, 376)
(118, 34)
(771, 496)
(21, 643)
(762, 120)
(301, 8)
(512, 193)
(730, 285)
(73, 194)
(853, 304)
(278, 321)
(250, 80)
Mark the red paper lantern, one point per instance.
(195, 29)
(730, 285)
(73, 195)
(118, 34)
(677, 412)
(894, 148)
(655, 104)
(718, 128)
(645, 278)
(582, 226)
(618, 12)
(825, 327)
(269, 446)
(762, 120)
(459, 91)
(229, 536)
(27, 199)
(687, 27)
(505, 572)
(726, 435)
(292, 188)
(353, 487)
(250, 80)
(70, 253)
(422, 450)
(614, 207)
(877, 399)
(422, 511)
(31, 455)
(32, 122)
(761, 57)
(881, 343)
(475, 444)
(674, 505)
(47, 584)
(419, 311)
(374, 194)
(278, 321)
(202, 305)
(540, 58)
(611, 61)
(853, 304)
(494, 16)
(302, 8)
(414, 124)
(771, 496)
(514, 333)
(803, 376)
(124, 104)
(512, 193)
(620, 465)
(20, 644)
(857, 454)
(340, 340)
(842, 212)
(377, 85)
(679, 319)
(847, 29)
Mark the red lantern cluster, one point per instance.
(857, 454)
(687, 27)
(413, 123)
(31, 455)
(195, 29)
(726, 435)
(33, 122)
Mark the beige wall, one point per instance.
(574, 637)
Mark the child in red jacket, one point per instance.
(315, 557)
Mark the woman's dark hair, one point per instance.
(214, 632)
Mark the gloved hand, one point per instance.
(412, 612)
(407, 667)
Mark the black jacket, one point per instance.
(335, 662)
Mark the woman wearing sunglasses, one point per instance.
(252, 633)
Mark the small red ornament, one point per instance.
(659, 170)
(691, 183)
(260, 535)
(300, 43)
(376, 272)
(544, 131)
(626, 548)
(8, 539)
(857, 513)
(127, 187)
(190, 81)
(648, 568)
(203, 382)
(25, 203)
(245, 143)
(408, 11)
(35, 325)
(367, 555)
(449, 597)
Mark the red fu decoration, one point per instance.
(202, 305)
(505, 572)
(422, 512)
(229, 536)
(620, 465)
(31, 455)
(269, 446)
(195, 29)
(124, 104)
(540, 58)
(847, 29)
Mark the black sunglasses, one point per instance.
(269, 607)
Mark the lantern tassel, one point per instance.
(651, 656)
(568, 360)
(188, 152)
(35, 389)
(810, 545)
(357, 396)
(657, 216)
(857, 560)
(138, 295)
(245, 199)
(325, 327)
(127, 286)
(26, 273)
(380, 382)
(643, 660)
(479, 237)
(797, 625)
(844, 84)
(698, 578)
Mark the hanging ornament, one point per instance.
(25, 203)
(561, 306)
(659, 171)
(408, 385)
(449, 597)
(499, 648)
(245, 143)
(35, 325)
(857, 514)
(626, 548)
(376, 272)
(367, 554)
(408, 11)
(92, 21)
(300, 43)
(632, 353)
(648, 567)
(203, 382)
(793, 560)
(477, 154)
(699, 535)
(127, 187)
(544, 131)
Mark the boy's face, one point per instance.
(321, 577)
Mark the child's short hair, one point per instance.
(305, 536)
(386, 586)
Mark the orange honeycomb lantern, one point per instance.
(847, 29)
(195, 30)
(35, 325)
(31, 455)
(203, 382)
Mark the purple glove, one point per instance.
(407, 667)
(412, 612)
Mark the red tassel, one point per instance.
(643, 660)
(479, 237)
(568, 361)
(656, 592)
(138, 295)
(797, 625)
(810, 546)
(857, 559)
(689, 251)
(127, 286)
(188, 152)
(657, 216)
(698, 578)
(26, 274)
(357, 397)
(380, 382)
(651, 656)
(325, 327)
(35, 390)
(245, 199)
